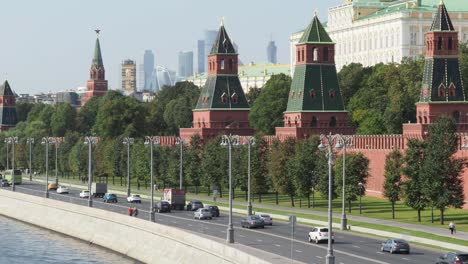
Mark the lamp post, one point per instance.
(128, 141)
(90, 141)
(57, 141)
(230, 141)
(180, 142)
(46, 141)
(330, 140)
(7, 154)
(12, 141)
(250, 142)
(361, 186)
(343, 142)
(30, 141)
(152, 141)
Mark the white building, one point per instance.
(374, 31)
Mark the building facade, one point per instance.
(271, 52)
(384, 31)
(97, 83)
(200, 56)
(128, 76)
(209, 38)
(148, 69)
(185, 64)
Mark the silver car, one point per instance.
(267, 219)
(202, 213)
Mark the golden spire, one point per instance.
(441, 2)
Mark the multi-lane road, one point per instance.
(349, 248)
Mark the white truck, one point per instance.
(98, 189)
(175, 197)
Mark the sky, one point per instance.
(47, 45)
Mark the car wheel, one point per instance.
(310, 239)
(262, 226)
(210, 218)
(391, 251)
(169, 211)
(316, 241)
(382, 249)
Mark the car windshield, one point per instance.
(136, 195)
(255, 218)
(196, 202)
(265, 215)
(323, 229)
(400, 241)
(463, 257)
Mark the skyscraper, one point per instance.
(128, 76)
(271, 52)
(210, 36)
(148, 68)
(201, 56)
(185, 64)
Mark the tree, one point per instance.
(443, 183)
(392, 174)
(86, 117)
(412, 187)
(63, 119)
(357, 171)
(280, 165)
(267, 111)
(350, 79)
(214, 164)
(193, 161)
(258, 166)
(304, 165)
(253, 94)
(22, 111)
(463, 48)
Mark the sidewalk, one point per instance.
(439, 231)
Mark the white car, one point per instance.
(84, 194)
(318, 234)
(134, 198)
(62, 189)
(202, 213)
(267, 219)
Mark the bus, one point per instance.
(17, 176)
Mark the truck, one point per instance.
(16, 175)
(98, 189)
(175, 197)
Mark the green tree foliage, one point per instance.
(267, 111)
(86, 117)
(63, 119)
(412, 187)
(442, 182)
(350, 79)
(22, 111)
(357, 171)
(464, 64)
(259, 170)
(193, 159)
(280, 166)
(214, 164)
(393, 171)
(253, 94)
(304, 166)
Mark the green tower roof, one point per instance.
(222, 44)
(5, 89)
(442, 20)
(315, 33)
(97, 59)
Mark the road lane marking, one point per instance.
(298, 251)
(259, 240)
(320, 257)
(241, 236)
(356, 246)
(405, 259)
(190, 225)
(277, 245)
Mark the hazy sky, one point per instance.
(48, 45)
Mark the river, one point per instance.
(22, 243)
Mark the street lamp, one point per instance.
(230, 141)
(7, 154)
(250, 142)
(331, 139)
(12, 141)
(128, 141)
(90, 141)
(152, 141)
(180, 142)
(361, 187)
(47, 141)
(30, 141)
(343, 142)
(57, 142)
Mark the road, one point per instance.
(349, 248)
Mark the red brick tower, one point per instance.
(315, 105)
(222, 107)
(442, 92)
(97, 83)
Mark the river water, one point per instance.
(21, 243)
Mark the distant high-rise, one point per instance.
(201, 56)
(148, 68)
(128, 76)
(210, 36)
(185, 64)
(271, 52)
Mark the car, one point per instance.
(194, 205)
(453, 258)
(52, 186)
(134, 198)
(319, 234)
(252, 221)
(202, 213)
(62, 189)
(84, 194)
(162, 206)
(110, 198)
(4, 183)
(394, 245)
(213, 209)
(267, 219)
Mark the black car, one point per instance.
(453, 258)
(213, 209)
(194, 205)
(4, 183)
(252, 221)
(162, 206)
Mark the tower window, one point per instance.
(224, 98)
(292, 95)
(456, 116)
(302, 55)
(441, 91)
(439, 44)
(222, 64)
(312, 93)
(298, 56)
(450, 43)
(332, 121)
(230, 64)
(315, 52)
(452, 90)
(332, 94)
(314, 122)
(325, 54)
(235, 98)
